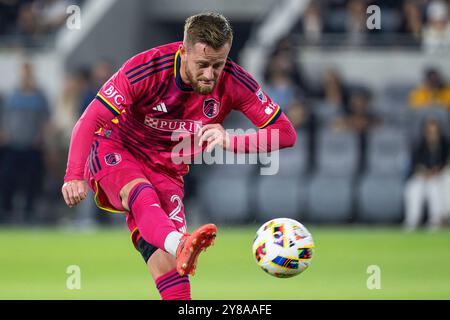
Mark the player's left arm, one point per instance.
(278, 135)
(275, 129)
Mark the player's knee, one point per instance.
(158, 261)
(145, 249)
(125, 191)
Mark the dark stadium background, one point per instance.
(359, 99)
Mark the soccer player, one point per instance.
(122, 145)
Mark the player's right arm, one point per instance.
(115, 96)
(95, 116)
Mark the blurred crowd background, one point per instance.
(371, 107)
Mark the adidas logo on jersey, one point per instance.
(160, 107)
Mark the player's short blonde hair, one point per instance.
(210, 28)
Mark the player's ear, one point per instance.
(183, 51)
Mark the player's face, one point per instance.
(202, 65)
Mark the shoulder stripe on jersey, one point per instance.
(240, 79)
(243, 76)
(150, 67)
(242, 73)
(152, 72)
(108, 105)
(272, 119)
(153, 60)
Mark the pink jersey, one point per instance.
(154, 109)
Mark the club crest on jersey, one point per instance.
(261, 96)
(211, 107)
(112, 159)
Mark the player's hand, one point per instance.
(74, 192)
(215, 135)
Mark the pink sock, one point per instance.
(153, 223)
(172, 286)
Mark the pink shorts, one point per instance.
(110, 167)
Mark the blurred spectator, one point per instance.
(32, 23)
(283, 59)
(334, 90)
(305, 121)
(446, 189)
(433, 91)
(358, 118)
(330, 106)
(88, 214)
(299, 114)
(25, 115)
(355, 26)
(310, 25)
(280, 88)
(436, 34)
(358, 114)
(67, 110)
(425, 185)
(102, 70)
(27, 29)
(52, 14)
(335, 97)
(8, 15)
(57, 134)
(412, 22)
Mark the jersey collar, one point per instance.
(178, 80)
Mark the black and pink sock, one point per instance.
(172, 286)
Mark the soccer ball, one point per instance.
(283, 247)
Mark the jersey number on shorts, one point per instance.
(174, 213)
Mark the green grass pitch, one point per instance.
(33, 265)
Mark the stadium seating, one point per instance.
(329, 195)
(285, 193)
(391, 103)
(294, 162)
(330, 199)
(388, 151)
(325, 113)
(397, 91)
(225, 198)
(379, 193)
(281, 196)
(392, 112)
(337, 153)
(223, 190)
(379, 199)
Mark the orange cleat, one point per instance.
(191, 245)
